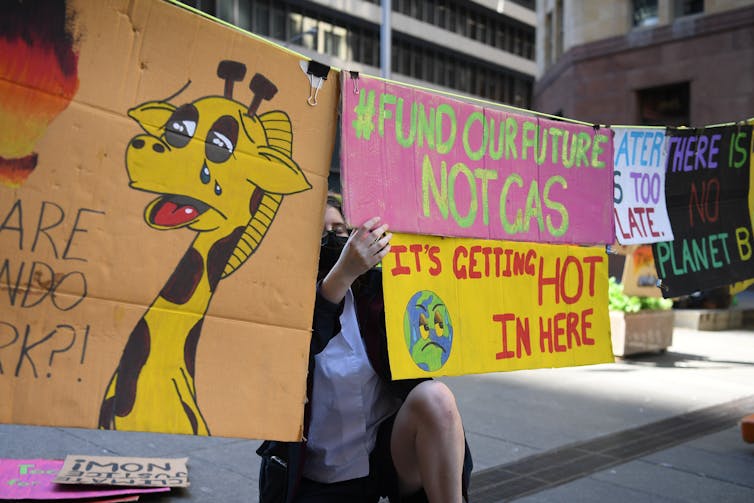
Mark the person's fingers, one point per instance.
(383, 241)
(365, 228)
(379, 232)
(367, 245)
(382, 253)
(372, 239)
(368, 233)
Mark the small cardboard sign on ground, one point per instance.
(124, 471)
(32, 479)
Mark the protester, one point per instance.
(366, 436)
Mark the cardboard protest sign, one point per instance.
(107, 499)
(123, 471)
(457, 306)
(33, 479)
(159, 221)
(429, 164)
(639, 198)
(707, 194)
(639, 273)
(740, 286)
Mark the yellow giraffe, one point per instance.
(221, 170)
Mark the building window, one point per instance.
(687, 7)
(279, 19)
(553, 43)
(227, 11)
(529, 4)
(645, 12)
(260, 18)
(549, 42)
(207, 6)
(559, 31)
(665, 105)
(441, 17)
(334, 40)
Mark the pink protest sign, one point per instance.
(428, 164)
(31, 479)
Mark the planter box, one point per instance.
(709, 319)
(642, 332)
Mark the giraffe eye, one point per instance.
(221, 139)
(181, 126)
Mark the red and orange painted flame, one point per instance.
(38, 79)
(642, 256)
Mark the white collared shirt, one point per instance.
(348, 403)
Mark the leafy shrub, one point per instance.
(619, 301)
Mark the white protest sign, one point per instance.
(639, 192)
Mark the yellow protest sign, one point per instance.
(461, 306)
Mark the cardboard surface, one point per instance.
(639, 189)
(429, 164)
(123, 471)
(458, 306)
(639, 273)
(145, 284)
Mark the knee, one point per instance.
(434, 404)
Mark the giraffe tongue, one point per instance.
(170, 214)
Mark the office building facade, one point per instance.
(479, 48)
(649, 62)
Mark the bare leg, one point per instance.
(427, 444)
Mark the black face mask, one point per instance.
(329, 252)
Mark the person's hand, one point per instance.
(366, 247)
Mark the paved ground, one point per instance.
(653, 428)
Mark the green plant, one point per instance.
(619, 301)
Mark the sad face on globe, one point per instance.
(428, 330)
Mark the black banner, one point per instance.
(707, 196)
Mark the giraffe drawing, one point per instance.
(220, 170)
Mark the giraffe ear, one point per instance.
(152, 116)
(276, 173)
